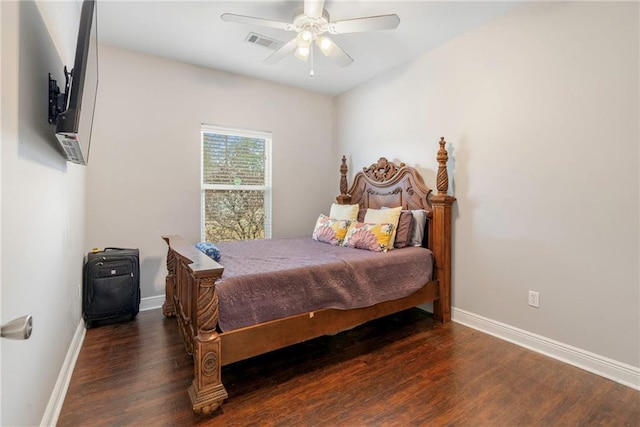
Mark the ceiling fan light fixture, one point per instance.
(304, 38)
(302, 52)
(325, 44)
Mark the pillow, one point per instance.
(404, 230)
(330, 230)
(209, 249)
(349, 212)
(419, 221)
(369, 236)
(388, 215)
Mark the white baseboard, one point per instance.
(151, 303)
(51, 414)
(616, 371)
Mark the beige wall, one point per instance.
(144, 165)
(43, 214)
(541, 109)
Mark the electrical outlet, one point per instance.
(534, 299)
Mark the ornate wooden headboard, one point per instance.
(387, 184)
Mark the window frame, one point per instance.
(267, 187)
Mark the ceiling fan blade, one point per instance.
(241, 19)
(282, 52)
(371, 23)
(334, 52)
(313, 8)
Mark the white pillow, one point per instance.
(419, 221)
(348, 212)
(386, 215)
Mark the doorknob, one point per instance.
(18, 329)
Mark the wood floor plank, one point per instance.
(402, 370)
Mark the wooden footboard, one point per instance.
(191, 298)
(191, 283)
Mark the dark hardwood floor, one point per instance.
(402, 370)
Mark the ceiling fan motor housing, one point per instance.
(315, 26)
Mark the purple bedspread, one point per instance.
(270, 279)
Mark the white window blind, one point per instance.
(236, 184)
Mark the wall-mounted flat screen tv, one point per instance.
(75, 124)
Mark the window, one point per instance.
(236, 184)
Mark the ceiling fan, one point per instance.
(311, 24)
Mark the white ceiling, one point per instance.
(192, 32)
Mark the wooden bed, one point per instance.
(191, 282)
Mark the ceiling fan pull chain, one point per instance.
(311, 49)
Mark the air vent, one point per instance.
(264, 41)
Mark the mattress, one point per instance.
(270, 279)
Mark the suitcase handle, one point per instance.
(117, 249)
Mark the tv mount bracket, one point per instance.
(57, 100)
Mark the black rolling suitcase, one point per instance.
(111, 286)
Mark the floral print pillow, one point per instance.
(330, 230)
(370, 236)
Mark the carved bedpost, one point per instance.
(168, 308)
(206, 391)
(343, 176)
(441, 232)
(442, 180)
(343, 198)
